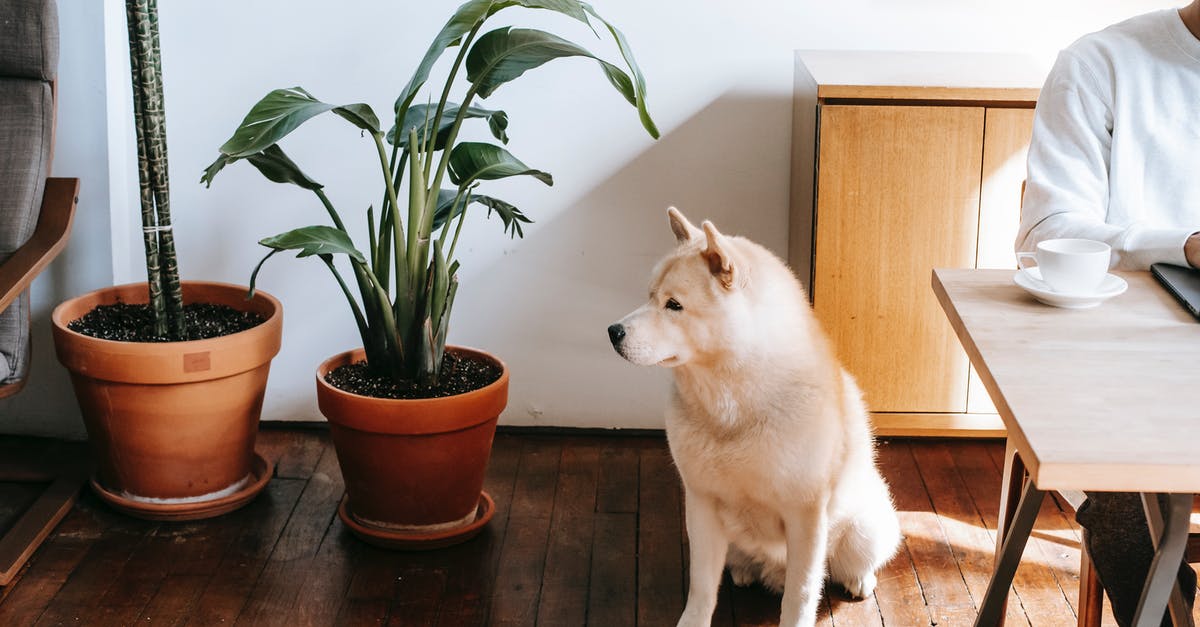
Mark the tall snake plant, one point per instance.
(407, 277)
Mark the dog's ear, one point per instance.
(717, 254)
(684, 231)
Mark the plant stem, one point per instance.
(450, 218)
(333, 214)
(383, 260)
(457, 231)
(155, 118)
(445, 160)
(387, 173)
(437, 118)
(133, 18)
(417, 204)
(363, 329)
(372, 243)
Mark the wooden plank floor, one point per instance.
(589, 531)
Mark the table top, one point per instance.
(1104, 399)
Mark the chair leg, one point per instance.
(1091, 595)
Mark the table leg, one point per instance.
(1012, 481)
(991, 612)
(1169, 535)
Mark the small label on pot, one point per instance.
(196, 362)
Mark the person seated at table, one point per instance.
(1115, 157)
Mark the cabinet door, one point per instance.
(897, 195)
(1005, 146)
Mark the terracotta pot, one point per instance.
(414, 466)
(171, 420)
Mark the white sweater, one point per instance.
(1115, 154)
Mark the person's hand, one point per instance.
(1191, 250)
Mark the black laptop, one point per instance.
(1183, 283)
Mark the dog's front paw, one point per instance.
(694, 619)
(861, 587)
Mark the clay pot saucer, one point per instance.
(261, 471)
(392, 539)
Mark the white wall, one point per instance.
(719, 75)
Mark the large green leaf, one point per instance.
(281, 112)
(277, 167)
(360, 115)
(315, 240)
(469, 15)
(446, 207)
(213, 168)
(572, 8)
(419, 117)
(476, 161)
(509, 214)
(272, 162)
(318, 241)
(504, 54)
(639, 81)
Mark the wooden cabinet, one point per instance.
(905, 162)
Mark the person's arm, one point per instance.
(1066, 193)
(1191, 250)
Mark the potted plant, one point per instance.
(412, 419)
(169, 375)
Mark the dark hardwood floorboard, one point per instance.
(962, 524)
(945, 595)
(523, 556)
(57, 558)
(589, 530)
(660, 592)
(275, 592)
(174, 600)
(563, 600)
(258, 527)
(612, 585)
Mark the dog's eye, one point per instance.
(674, 305)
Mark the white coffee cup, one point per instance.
(1070, 266)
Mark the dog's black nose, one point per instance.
(616, 333)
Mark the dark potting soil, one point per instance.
(460, 374)
(125, 322)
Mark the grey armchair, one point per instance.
(35, 220)
(35, 212)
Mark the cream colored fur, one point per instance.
(768, 431)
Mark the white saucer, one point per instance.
(1030, 280)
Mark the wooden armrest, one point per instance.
(49, 238)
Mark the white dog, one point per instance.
(770, 434)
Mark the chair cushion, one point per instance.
(14, 340)
(29, 39)
(28, 65)
(26, 123)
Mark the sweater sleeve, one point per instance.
(1066, 190)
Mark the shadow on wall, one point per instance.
(590, 264)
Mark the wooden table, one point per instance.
(1102, 399)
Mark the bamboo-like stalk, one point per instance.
(149, 221)
(155, 120)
